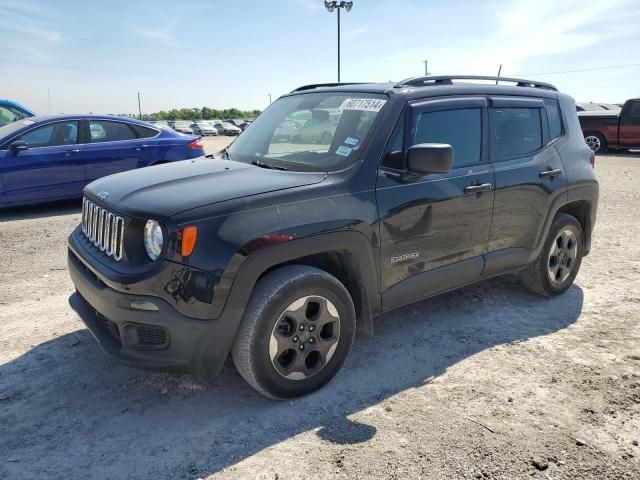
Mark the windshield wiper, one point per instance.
(260, 164)
(225, 153)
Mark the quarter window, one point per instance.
(516, 132)
(555, 121)
(105, 131)
(462, 129)
(52, 135)
(144, 132)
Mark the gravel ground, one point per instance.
(485, 382)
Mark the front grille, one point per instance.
(109, 326)
(104, 229)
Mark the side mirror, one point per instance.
(426, 158)
(19, 146)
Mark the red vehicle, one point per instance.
(610, 129)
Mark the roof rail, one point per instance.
(320, 85)
(448, 80)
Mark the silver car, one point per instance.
(183, 126)
(204, 128)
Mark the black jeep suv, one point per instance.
(277, 251)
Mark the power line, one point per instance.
(131, 72)
(610, 67)
(191, 49)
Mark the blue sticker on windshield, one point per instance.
(351, 141)
(343, 151)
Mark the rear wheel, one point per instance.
(556, 267)
(296, 332)
(596, 142)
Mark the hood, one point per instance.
(165, 190)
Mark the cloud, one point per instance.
(37, 22)
(311, 5)
(355, 33)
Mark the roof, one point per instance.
(600, 113)
(431, 86)
(46, 118)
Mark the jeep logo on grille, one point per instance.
(102, 195)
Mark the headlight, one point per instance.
(153, 239)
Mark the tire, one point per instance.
(560, 257)
(267, 348)
(595, 142)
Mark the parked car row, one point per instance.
(204, 127)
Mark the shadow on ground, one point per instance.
(52, 209)
(69, 412)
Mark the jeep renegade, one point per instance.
(279, 248)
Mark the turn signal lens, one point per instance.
(188, 241)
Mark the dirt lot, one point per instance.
(485, 382)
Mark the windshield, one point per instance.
(10, 114)
(316, 132)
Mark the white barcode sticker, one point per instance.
(363, 104)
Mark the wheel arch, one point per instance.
(581, 211)
(348, 256)
(581, 203)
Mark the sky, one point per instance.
(96, 56)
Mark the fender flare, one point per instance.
(356, 249)
(588, 194)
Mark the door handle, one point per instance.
(71, 152)
(483, 187)
(550, 172)
(140, 147)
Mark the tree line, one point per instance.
(204, 113)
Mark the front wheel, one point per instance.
(296, 332)
(596, 142)
(558, 263)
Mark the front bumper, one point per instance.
(162, 339)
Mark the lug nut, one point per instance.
(301, 327)
(311, 340)
(301, 347)
(311, 329)
(295, 339)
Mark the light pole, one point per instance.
(331, 6)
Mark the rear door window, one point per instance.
(515, 132)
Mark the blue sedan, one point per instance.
(51, 158)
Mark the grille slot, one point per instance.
(103, 229)
(151, 336)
